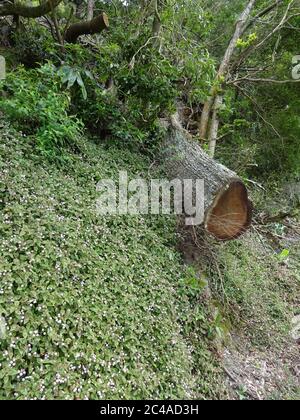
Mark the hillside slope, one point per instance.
(106, 307)
(94, 307)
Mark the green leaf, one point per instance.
(81, 84)
(284, 255)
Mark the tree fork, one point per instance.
(213, 101)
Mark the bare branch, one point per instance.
(284, 19)
(257, 110)
(263, 13)
(262, 80)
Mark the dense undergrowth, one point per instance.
(94, 307)
(99, 307)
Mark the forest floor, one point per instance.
(261, 374)
(273, 371)
(259, 298)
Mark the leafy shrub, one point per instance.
(33, 46)
(129, 113)
(36, 103)
(147, 81)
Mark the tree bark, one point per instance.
(204, 120)
(17, 9)
(2, 68)
(214, 101)
(228, 210)
(214, 126)
(90, 9)
(156, 26)
(94, 26)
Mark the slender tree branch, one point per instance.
(284, 19)
(132, 61)
(263, 13)
(56, 25)
(262, 80)
(257, 110)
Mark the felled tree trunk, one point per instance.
(94, 26)
(228, 210)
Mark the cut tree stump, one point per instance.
(228, 210)
(94, 26)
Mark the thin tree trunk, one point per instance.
(204, 120)
(214, 126)
(90, 9)
(214, 101)
(156, 26)
(16, 18)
